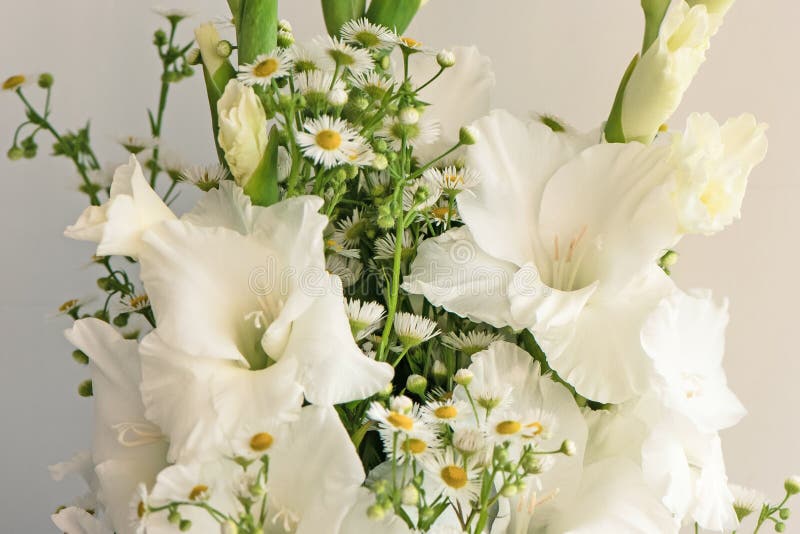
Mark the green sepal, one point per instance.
(338, 12)
(262, 187)
(257, 29)
(215, 86)
(614, 132)
(394, 14)
(654, 13)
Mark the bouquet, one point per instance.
(393, 309)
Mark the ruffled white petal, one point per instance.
(74, 520)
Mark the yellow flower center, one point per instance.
(261, 441)
(454, 476)
(13, 82)
(414, 446)
(453, 179)
(536, 427)
(507, 428)
(198, 492)
(440, 213)
(411, 43)
(399, 420)
(328, 139)
(139, 302)
(68, 305)
(140, 509)
(446, 412)
(266, 68)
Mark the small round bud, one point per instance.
(159, 38)
(669, 258)
(376, 512)
(402, 404)
(385, 217)
(29, 152)
(379, 162)
(446, 59)
(285, 39)
(408, 116)
(792, 485)
(45, 80)
(224, 49)
(184, 525)
(337, 97)
(780, 526)
(121, 320)
(385, 392)
(360, 103)
(568, 448)
(229, 527)
(285, 101)
(439, 369)
(509, 491)
(193, 57)
(85, 388)
(784, 513)
(80, 357)
(284, 25)
(104, 283)
(174, 517)
(410, 496)
(102, 315)
(426, 514)
(417, 384)
(501, 455)
(463, 377)
(385, 62)
(468, 135)
(351, 171)
(380, 145)
(15, 153)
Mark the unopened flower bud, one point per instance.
(426, 514)
(85, 388)
(224, 48)
(408, 116)
(174, 517)
(285, 39)
(284, 25)
(385, 217)
(410, 496)
(417, 384)
(446, 59)
(780, 526)
(229, 527)
(468, 135)
(568, 447)
(463, 377)
(360, 103)
(379, 162)
(16, 153)
(385, 392)
(669, 259)
(193, 57)
(185, 525)
(402, 404)
(380, 145)
(159, 38)
(337, 97)
(439, 369)
(80, 357)
(509, 491)
(792, 485)
(784, 513)
(45, 80)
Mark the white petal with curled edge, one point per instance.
(74, 520)
(452, 271)
(226, 206)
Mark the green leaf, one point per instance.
(338, 12)
(258, 29)
(654, 12)
(614, 132)
(262, 187)
(394, 14)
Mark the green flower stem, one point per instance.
(156, 125)
(426, 84)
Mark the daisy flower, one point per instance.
(454, 478)
(337, 247)
(451, 412)
(134, 303)
(411, 200)
(385, 245)
(104, 175)
(205, 177)
(372, 83)
(396, 418)
(350, 229)
(172, 163)
(347, 269)
(139, 509)
(365, 317)
(424, 132)
(510, 425)
(315, 85)
(366, 34)
(471, 441)
(746, 500)
(306, 58)
(413, 329)
(470, 342)
(172, 14)
(451, 179)
(344, 56)
(264, 69)
(330, 141)
(442, 213)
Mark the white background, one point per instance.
(560, 56)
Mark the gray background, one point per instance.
(560, 56)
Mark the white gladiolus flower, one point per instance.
(234, 288)
(242, 130)
(117, 225)
(80, 464)
(562, 237)
(685, 337)
(127, 449)
(73, 520)
(664, 72)
(713, 163)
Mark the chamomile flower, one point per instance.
(451, 179)
(345, 57)
(253, 442)
(450, 412)
(414, 46)
(316, 84)
(365, 317)
(424, 132)
(330, 141)
(413, 198)
(135, 144)
(457, 479)
(443, 213)
(347, 269)
(205, 177)
(510, 425)
(71, 306)
(350, 229)
(397, 419)
(139, 509)
(172, 163)
(264, 69)
(368, 35)
(306, 57)
(385, 245)
(418, 445)
(284, 164)
(134, 303)
(470, 342)
(492, 396)
(746, 500)
(470, 441)
(414, 329)
(373, 83)
(337, 247)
